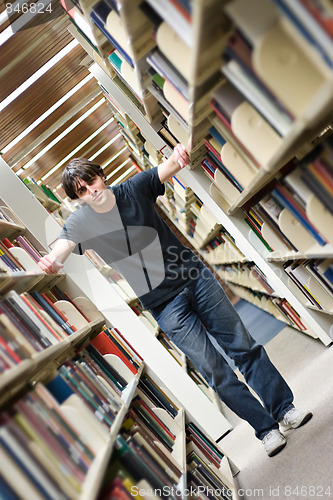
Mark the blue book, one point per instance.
(217, 136)
(99, 15)
(288, 202)
(322, 49)
(51, 311)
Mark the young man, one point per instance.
(186, 300)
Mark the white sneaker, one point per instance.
(295, 418)
(274, 442)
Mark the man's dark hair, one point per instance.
(76, 170)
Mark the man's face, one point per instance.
(93, 192)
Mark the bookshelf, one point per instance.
(281, 125)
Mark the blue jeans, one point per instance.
(204, 307)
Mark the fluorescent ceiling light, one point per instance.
(117, 169)
(33, 78)
(103, 148)
(114, 157)
(46, 114)
(63, 134)
(74, 151)
(125, 174)
(20, 22)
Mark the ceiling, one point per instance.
(63, 113)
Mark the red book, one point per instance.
(104, 345)
(129, 345)
(7, 243)
(14, 357)
(137, 402)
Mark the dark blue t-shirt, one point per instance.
(133, 239)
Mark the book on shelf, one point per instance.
(248, 128)
(46, 452)
(317, 172)
(239, 70)
(106, 343)
(179, 35)
(19, 327)
(314, 21)
(269, 34)
(170, 97)
(286, 198)
(144, 413)
(322, 270)
(77, 17)
(157, 396)
(137, 465)
(126, 73)
(118, 382)
(26, 244)
(44, 300)
(214, 157)
(207, 448)
(164, 68)
(299, 275)
(19, 308)
(8, 260)
(6, 215)
(143, 442)
(108, 21)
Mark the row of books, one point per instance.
(245, 274)
(32, 322)
(6, 215)
(178, 205)
(43, 193)
(143, 456)
(278, 307)
(314, 278)
(50, 437)
(222, 249)
(314, 20)
(8, 260)
(296, 212)
(258, 101)
(204, 458)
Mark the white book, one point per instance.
(260, 100)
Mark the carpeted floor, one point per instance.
(261, 325)
(304, 469)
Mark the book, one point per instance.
(20, 309)
(285, 198)
(125, 454)
(309, 20)
(163, 66)
(118, 381)
(20, 329)
(44, 301)
(24, 243)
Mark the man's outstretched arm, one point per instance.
(53, 261)
(178, 160)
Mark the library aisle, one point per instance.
(247, 87)
(304, 468)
